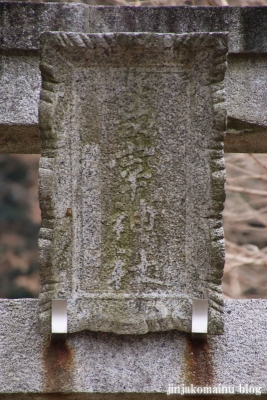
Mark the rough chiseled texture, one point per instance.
(131, 179)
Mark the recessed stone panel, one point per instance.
(132, 179)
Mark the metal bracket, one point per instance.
(59, 321)
(200, 319)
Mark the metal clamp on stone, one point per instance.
(200, 319)
(59, 321)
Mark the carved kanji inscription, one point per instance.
(132, 178)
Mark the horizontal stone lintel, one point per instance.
(246, 25)
(133, 366)
(247, 42)
(21, 23)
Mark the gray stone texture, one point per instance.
(246, 99)
(246, 25)
(132, 179)
(18, 75)
(129, 366)
(246, 76)
(20, 80)
(22, 23)
(137, 365)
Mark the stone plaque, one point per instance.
(132, 179)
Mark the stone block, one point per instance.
(106, 366)
(246, 75)
(21, 23)
(132, 179)
(246, 100)
(20, 80)
(18, 77)
(246, 25)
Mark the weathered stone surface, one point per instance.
(128, 367)
(19, 75)
(246, 25)
(132, 177)
(246, 100)
(20, 83)
(246, 75)
(21, 23)
(20, 80)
